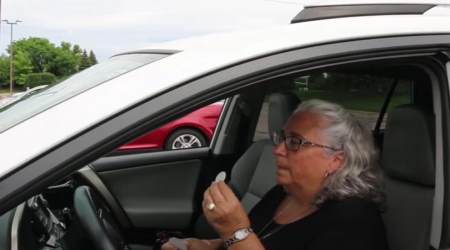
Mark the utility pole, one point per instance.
(0, 21)
(0, 17)
(11, 55)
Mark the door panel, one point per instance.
(156, 190)
(157, 195)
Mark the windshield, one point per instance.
(39, 101)
(17, 96)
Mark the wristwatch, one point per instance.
(239, 235)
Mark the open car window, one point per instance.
(363, 94)
(193, 130)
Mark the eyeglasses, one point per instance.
(293, 143)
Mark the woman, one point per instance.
(328, 194)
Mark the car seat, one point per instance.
(408, 163)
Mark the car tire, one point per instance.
(185, 138)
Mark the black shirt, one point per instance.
(350, 224)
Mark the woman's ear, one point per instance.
(336, 161)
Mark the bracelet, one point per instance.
(239, 235)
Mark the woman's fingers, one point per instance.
(220, 198)
(207, 201)
(226, 192)
(216, 193)
(207, 196)
(223, 209)
(168, 246)
(213, 195)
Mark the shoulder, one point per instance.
(351, 210)
(353, 204)
(353, 216)
(268, 204)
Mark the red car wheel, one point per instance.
(185, 138)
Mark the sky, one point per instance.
(112, 26)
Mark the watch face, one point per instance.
(241, 234)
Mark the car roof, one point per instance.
(319, 10)
(212, 53)
(363, 2)
(274, 38)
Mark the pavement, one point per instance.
(3, 95)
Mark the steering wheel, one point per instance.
(96, 218)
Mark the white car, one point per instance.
(61, 188)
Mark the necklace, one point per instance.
(279, 226)
(271, 222)
(274, 230)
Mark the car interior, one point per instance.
(140, 200)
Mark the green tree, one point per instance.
(4, 70)
(77, 52)
(35, 79)
(39, 51)
(66, 46)
(84, 63)
(22, 67)
(39, 55)
(92, 58)
(63, 62)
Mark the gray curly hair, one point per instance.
(360, 175)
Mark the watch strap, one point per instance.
(234, 239)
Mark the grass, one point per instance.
(355, 101)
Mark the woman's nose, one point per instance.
(280, 149)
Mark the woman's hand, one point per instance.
(168, 246)
(191, 244)
(226, 214)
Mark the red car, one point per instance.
(191, 131)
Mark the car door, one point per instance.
(157, 188)
(118, 181)
(434, 54)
